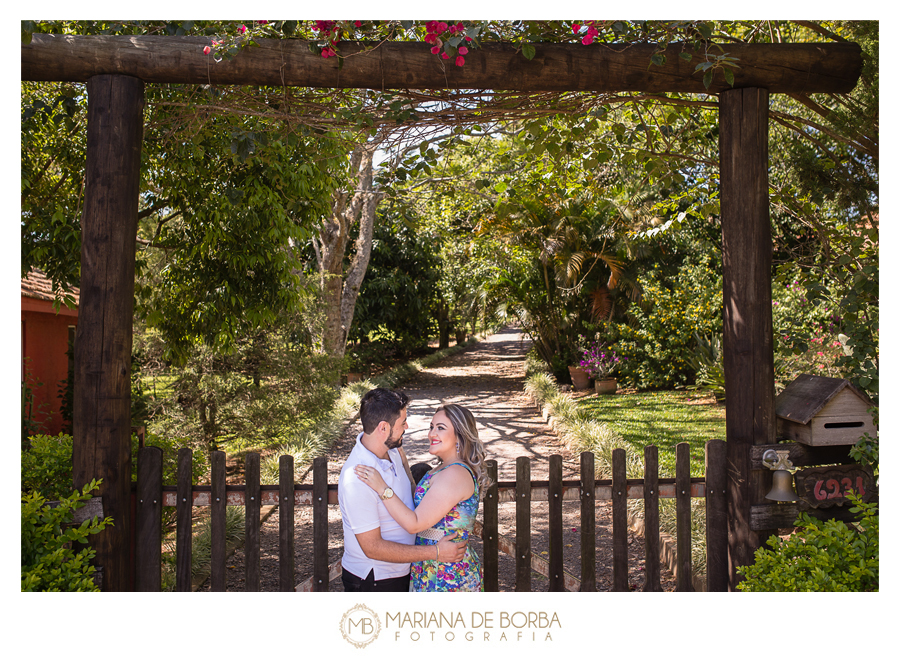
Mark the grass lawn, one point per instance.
(663, 419)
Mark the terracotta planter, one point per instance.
(605, 386)
(580, 378)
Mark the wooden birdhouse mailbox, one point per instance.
(823, 411)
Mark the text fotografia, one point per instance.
(478, 626)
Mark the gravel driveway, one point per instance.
(488, 378)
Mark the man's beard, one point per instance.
(392, 443)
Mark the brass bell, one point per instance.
(782, 480)
(782, 487)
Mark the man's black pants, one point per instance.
(353, 583)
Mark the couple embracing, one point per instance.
(401, 535)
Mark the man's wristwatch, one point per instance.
(388, 493)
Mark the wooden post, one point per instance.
(184, 506)
(554, 497)
(491, 535)
(588, 524)
(716, 518)
(320, 524)
(747, 308)
(218, 501)
(651, 519)
(102, 387)
(523, 524)
(684, 571)
(286, 523)
(619, 521)
(251, 522)
(148, 552)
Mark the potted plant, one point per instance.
(601, 362)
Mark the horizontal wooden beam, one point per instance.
(775, 516)
(780, 68)
(506, 492)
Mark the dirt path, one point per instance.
(489, 379)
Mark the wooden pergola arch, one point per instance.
(117, 68)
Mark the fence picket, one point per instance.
(183, 522)
(490, 532)
(148, 522)
(320, 524)
(523, 524)
(683, 572)
(651, 520)
(251, 522)
(588, 524)
(554, 494)
(620, 522)
(716, 518)
(217, 503)
(286, 523)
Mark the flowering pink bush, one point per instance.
(600, 361)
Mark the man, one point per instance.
(377, 551)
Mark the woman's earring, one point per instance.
(457, 447)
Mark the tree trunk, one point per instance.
(341, 290)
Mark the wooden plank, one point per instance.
(101, 424)
(320, 524)
(523, 524)
(148, 524)
(303, 494)
(588, 524)
(286, 523)
(619, 522)
(683, 570)
(716, 519)
(747, 308)
(251, 522)
(794, 67)
(651, 520)
(183, 522)
(490, 537)
(802, 455)
(557, 583)
(778, 516)
(334, 572)
(217, 522)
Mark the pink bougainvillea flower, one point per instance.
(431, 26)
(463, 50)
(460, 61)
(460, 27)
(262, 22)
(445, 55)
(357, 23)
(587, 40)
(435, 50)
(441, 27)
(468, 38)
(242, 29)
(207, 50)
(430, 38)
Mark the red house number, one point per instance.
(831, 488)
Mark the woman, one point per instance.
(446, 501)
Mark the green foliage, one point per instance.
(50, 562)
(659, 341)
(47, 466)
(821, 556)
(398, 294)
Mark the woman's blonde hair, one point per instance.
(471, 449)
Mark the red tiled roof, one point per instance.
(37, 286)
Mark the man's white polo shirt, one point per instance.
(362, 510)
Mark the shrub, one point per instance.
(49, 561)
(822, 556)
(658, 342)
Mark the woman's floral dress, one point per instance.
(463, 576)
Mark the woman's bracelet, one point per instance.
(438, 549)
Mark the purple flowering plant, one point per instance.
(600, 361)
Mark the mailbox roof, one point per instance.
(805, 397)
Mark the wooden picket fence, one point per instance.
(152, 496)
